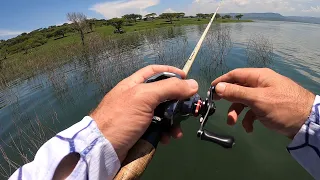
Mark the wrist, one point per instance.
(111, 134)
(308, 108)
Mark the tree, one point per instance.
(132, 17)
(26, 45)
(151, 15)
(227, 16)
(127, 17)
(4, 52)
(200, 15)
(218, 16)
(60, 32)
(79, 22)
(206, 16)
(117, 23)
(239, 16)
(168, 16)
(91, 24)
(180, 15)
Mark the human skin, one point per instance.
(126, 111)
(276, 101)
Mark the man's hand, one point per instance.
(126, 112)
(279, 103)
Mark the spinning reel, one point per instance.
(170, 113)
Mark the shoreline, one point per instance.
(60, 51)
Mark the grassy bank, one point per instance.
(158, 23)
(59, 51)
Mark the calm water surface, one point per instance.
(63, 96)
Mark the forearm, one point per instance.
(305, 147)
(98, 160)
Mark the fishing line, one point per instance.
(193, 55)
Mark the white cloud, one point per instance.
(244, 6)
(314, 9)
(169, 10)
(241, 2)
(4, 32)
(121, 7)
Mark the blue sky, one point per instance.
(19, 16)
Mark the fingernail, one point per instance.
(220, 88)
(192, 83)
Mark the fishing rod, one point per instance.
(193, 55)
(169, 114)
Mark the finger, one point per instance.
(248, 121)
(245, 77)
(234, 112)
(168, 89)
(149, 71)
(165, 138)
(237, 94)
(216, 97)
(176, 132)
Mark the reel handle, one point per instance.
(222, 140)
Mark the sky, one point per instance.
(18, 16)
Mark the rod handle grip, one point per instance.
(136, 161)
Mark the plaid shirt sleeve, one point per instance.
(305, 147)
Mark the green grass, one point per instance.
(59, 51)
(141, 25)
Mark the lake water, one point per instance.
(61, 97)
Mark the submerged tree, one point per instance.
(79, 21)
(218, 46)
(259, 52)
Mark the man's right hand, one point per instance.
(278, 102)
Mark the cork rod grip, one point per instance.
(136, 161)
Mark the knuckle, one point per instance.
(151, 67)
(268, 70)
(177, 82)
(233, 72)
(240, 92)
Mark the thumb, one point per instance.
(236, 94)
(170, 89)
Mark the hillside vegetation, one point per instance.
(31, 52)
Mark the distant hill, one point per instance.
(313, 20)
(278, 17)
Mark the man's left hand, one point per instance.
(126, 111)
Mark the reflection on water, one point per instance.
(32, 110)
